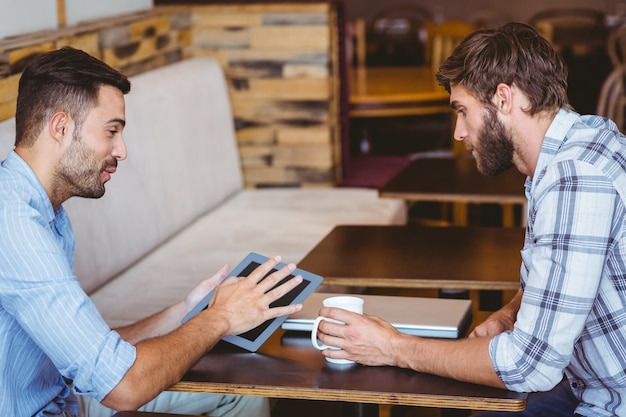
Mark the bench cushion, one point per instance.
(287, 222)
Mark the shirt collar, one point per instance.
(555, 137)
(41, 202)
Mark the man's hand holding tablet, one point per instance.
(254, 301)
(244, 302)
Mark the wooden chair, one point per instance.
(616, 46)
(394, 27)
(612, 100)
(577, 29)
(442, 38)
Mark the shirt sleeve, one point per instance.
(571, 231)
(41, 292)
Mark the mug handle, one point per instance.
(316, 324)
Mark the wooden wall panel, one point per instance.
(279, 61)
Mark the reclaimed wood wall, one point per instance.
(279, 61)
(280, 65)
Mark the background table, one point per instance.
(396, 91)
(287, 366)
(481, 258)
(458, 180)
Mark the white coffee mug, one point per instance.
(346, 302)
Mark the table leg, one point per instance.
(459, 214)
(508, 217)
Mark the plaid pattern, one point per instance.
(573, 314)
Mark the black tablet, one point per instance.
(253, 339)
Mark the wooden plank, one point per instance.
(225, 20)
(262, 8)
(311, 156)
(88, 42)
(158, 25)
(61, 16)
(295, 18)
(305, 71)
(133, 52)
(8, 88)
(263, 112)
(7, 110)
(221, 38)
(265, 175)
(256, 136)
(297, 37)
(286, 89)
(256, 155)
(285, 56)
(304, 136)
(19, 57)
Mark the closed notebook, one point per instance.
(427, 317)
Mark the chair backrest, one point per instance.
(612, 100)
(442, 38)
(394, 36)
(576, 28)
(616, 46)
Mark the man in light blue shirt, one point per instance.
(563, 335)
(53, 342)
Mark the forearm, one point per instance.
(163, 360)
(158, 324)
(465, 360)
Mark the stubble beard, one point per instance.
(79, 172)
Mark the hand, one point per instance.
(500, 321)
(197, 294)
(365, 339)
(496, 323)
(244, 302)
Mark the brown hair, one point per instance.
(514, 54)
(67, 80)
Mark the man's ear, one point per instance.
(60, 126)
(503, 98)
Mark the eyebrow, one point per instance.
(454, 105)
(118, 120)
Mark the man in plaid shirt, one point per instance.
(563, 336)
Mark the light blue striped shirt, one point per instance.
(50, 331)
(572, 318)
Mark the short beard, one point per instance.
(495, 149)
(78, 173)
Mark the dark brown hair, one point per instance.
(514, 54)
(67, 80)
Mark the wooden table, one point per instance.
(287, 366)
(457, 180)
(396, 91)
(479, 258)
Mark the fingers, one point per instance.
(267, 286)
(262, 270)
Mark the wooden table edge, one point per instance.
(465, 198)
(352, 396)
(421, 283)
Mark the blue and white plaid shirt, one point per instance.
(50, 330)
(572, 318)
